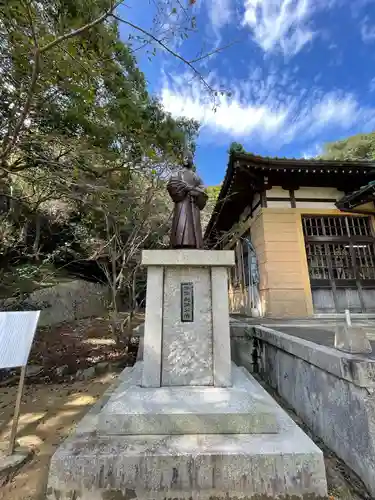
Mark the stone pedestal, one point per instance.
(186, 336)
(185, 423)
(195, 461)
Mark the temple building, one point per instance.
(303, 233)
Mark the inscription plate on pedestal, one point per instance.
(187, 302)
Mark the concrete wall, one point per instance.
(332, 392)
(284, 281)
(64, 302)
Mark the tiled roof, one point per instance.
(358, 197)
(300, 161)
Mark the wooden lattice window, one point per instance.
(339, 247)
(336, 226)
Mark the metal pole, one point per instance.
(16, 416)
(348, 318)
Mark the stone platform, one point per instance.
(96, 465)
(10, 464)
(186, 410)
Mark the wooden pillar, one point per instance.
(17, 409)
(263, 199)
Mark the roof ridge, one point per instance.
(253, 156)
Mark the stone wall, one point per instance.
(64, 302)
(331, 391)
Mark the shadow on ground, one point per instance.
(48, 414)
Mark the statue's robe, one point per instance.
(186, 225)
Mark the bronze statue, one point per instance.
(187, 192)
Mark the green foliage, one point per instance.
(89, 97)
(22, 280)
(95, 146)
(236, 147)
(213, 194)
(356, 147)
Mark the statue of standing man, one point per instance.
(187, 192)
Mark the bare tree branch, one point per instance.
(183, 9)
(215, 51)
(169, 50)
(30, 17)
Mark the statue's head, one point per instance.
(188, 160)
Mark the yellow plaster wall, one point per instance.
(284, 278)
(277, 236)
(284, 281)
(366, 207)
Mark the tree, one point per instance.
(84, 85)
(141, 220)
(81, 140)
(356, 147)
(213, 194)
(84, 148)
(53, 51)
(81, 102)
(87, 108)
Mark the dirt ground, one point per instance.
(48, 414)
(49, 409)
(75, 345)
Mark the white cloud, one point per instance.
(282, 25)
(219, 12)
(312, 152)
(334, 109)
(372, 85)
(367, 31)
(271, 108)
(230, 116)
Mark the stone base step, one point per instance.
(134, 410)
(93, 466)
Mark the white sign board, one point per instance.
(17, 330)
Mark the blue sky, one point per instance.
(300, 73)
